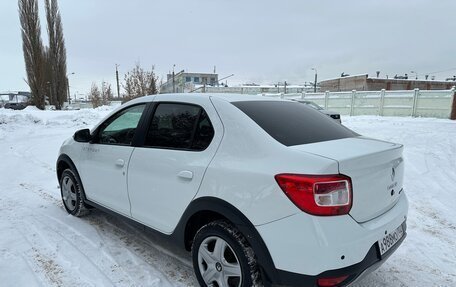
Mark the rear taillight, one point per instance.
(331, 282)
(323, 195)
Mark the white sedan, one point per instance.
(259, 190)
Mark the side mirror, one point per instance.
(82, 136)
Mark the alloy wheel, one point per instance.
(218, 264)
(69, 193)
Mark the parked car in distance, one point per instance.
(15, 106)
(290, 199)
(334, 115)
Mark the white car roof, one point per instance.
(226, 97)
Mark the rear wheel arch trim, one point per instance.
(239, 220)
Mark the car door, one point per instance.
(105, 160)
(164, 175)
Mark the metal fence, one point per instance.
(415, 103)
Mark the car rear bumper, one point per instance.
(355, 272)
(304, 248)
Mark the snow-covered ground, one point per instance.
(40, 245)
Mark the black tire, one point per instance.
(243, 254)
(72, 194)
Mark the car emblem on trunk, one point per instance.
(393, 174)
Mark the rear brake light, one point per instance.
(331, 282)
(323, 195)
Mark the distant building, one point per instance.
(184, 82)
(365, 83)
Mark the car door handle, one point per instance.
(185, 174)
(120, 162)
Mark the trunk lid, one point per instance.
(375, 167)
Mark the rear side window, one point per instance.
(180, 126)
(203, 133)
(292, 123)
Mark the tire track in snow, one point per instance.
(56, 257)
(35, 259)
(141, 248)
(141, 235)
(40, 191)
(125, 253)
(52, 271)
(89, 249)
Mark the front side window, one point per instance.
(120, 129)
(179, 126)
(196, 79)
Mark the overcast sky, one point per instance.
(259, 41)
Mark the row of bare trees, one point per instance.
(137, 83)
(45, 65)
(100, 97)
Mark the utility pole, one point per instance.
(315, 82)
(117, 79)
(174, 86)
(68, 87)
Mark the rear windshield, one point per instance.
(293, 123)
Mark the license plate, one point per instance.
(390, 240)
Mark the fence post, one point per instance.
(303, 95)
(326, 99)
(352, 104)
(382, 102)
(416, 92)
(453, 107)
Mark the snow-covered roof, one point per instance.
(346, 77)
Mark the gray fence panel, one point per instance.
(435, 103)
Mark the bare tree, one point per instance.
(95, 95)
(109, 93)
(139, 82)
(106, 93)
(32, 47)
(56, 54)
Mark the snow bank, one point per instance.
(31, 108)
